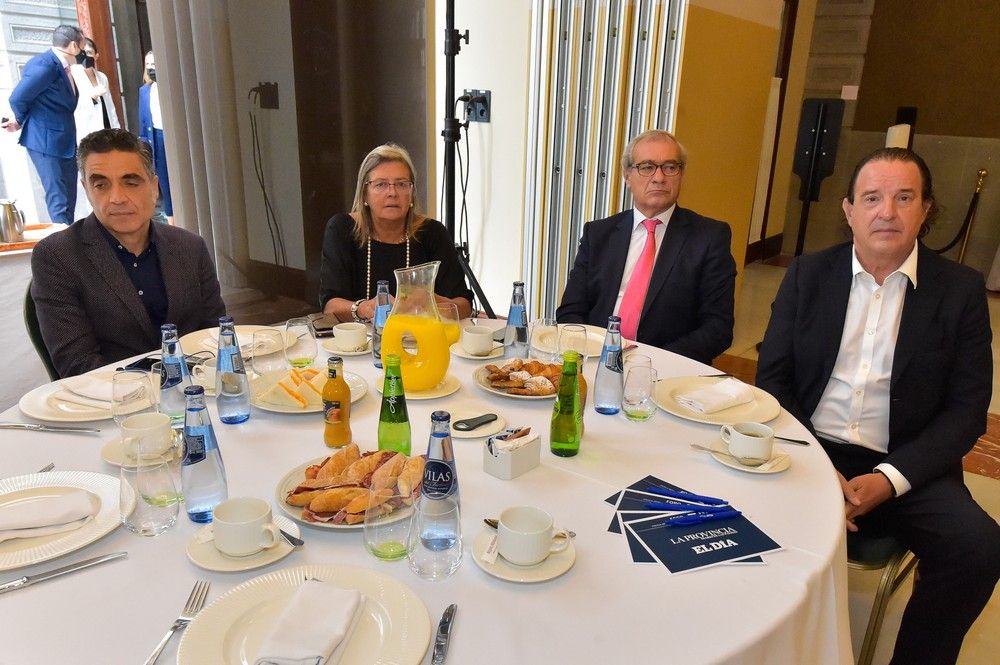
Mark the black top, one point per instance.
(145, 275)
(343, 268)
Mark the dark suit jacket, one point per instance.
(689, 303)
(942, 369)
(87, 307)
(43, 103)
(145, 115)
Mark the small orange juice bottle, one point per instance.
(336, 405)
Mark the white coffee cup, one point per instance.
(146, 436)
(242, 526)
(750, 442)
(350, 336)
(525, 536)
(477, 340)
(204, 373)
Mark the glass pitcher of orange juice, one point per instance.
(415, 314)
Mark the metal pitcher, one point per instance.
(11, 222)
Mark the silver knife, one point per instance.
(28, 580)
(443, 635)
(48, 428)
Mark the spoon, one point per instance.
(745, 461)
(490, 522)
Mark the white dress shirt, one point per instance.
(154, 106)
(854, 407)
(637, 242)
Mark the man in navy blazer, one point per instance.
(882, 348)
(688, 303)
(43, 103)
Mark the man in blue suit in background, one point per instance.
(43, 103)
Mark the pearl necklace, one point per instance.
(368, 273)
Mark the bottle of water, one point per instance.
(382, 309)
(515, 339)
(610, 380)
(203, 476)
(174, 375)
(435, 548)
(232, 389)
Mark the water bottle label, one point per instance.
(194, 445)
(238, 366)
(614, 361)
(439, 479)
(332, 412)
(170, 375)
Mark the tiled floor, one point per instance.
(760, 284)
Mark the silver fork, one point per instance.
(194, 604)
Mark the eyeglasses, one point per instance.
(646, 169)
(381, 186)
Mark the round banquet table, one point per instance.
(605, 609)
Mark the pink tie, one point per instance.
(638, 283)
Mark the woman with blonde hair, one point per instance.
(384, 231)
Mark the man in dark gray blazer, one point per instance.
(104, 286)
(882, 348)
(684, 303)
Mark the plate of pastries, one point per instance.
(521, 379)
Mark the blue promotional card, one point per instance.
(636, 550)
(684, 548)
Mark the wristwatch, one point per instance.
(354, 311)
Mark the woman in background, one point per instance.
(384, 231)
(151, 131)
(95, 109)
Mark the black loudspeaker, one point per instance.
(815, 152)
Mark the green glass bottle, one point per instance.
(566, 431)
(393, 421)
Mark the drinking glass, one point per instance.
(131, 392)
(544, 345)
(638, 359)
(387, 534)
(268, 356)
(303, 351)
(637, 399)
(573, 338)
(434, 548)
(148, 496)
(450, 319)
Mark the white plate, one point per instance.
(394, 626)
(21, 552)
(41, 405)
(457, 350)
(357, 385)
(779, 461)
(331, 346)
(293, 479)
(489, 429)
(113, 454)
(762, 409)
(548, 342)
(449, 385)
(202, 340)
(553, 566)
(480, 376)
(205, 555)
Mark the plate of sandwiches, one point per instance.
(334, 492)
(299, 390)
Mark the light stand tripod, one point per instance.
(452, 134)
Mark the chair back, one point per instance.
(35, 334)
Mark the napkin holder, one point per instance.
(509, 464)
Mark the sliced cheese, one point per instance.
(283, 394)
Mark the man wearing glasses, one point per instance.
(665, 270)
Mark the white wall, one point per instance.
(496, 59)
(261, 37)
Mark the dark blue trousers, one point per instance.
(160, 163)
(58, 178)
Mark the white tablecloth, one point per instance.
(606, 609)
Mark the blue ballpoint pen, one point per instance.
(698, 518)
(687, 507)
(688, 496)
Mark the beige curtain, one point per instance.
(198, 102)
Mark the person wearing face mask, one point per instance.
(151, 130)
(95, 108)
(43, 102)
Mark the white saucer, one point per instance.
(489, 429)
(113, 454)
(204, 555)
(457, 350)
(449, 384)
(553, 566)
(331, 346)
(779, 461)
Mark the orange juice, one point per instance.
(336, 405)
(452, 331)
(426, 368)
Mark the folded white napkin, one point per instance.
(89, 386)
(315, 627)
(48, 515)
(73, 398)
(718, 396)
